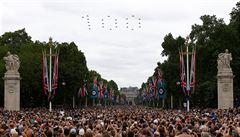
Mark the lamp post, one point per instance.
(50, 74)
(178, 83)
(188, 80)
(64, 98)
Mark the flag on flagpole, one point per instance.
(95, 88)
(45, 74)
(182, 72)
(154, 80)
(161, 85)
(105, 92)
(100, 89)
(151, 89)
(193, 70)
(55, 76)
(82, 92)
(55, 72)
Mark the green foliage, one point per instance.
(112, 84)
(211, 37)
(15, 38)
(235, 18)
(73, 69)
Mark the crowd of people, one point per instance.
(120, 121)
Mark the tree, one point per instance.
(112, 84)
(235, 17)
(73, 68)
(211, 37)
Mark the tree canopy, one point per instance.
(211, 37)
(73, 70)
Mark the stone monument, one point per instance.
(225, 81)
(12, 82)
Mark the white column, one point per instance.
(188, 84)
(50, 73)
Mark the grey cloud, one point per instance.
(126, 56)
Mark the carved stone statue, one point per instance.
(12, 62)
(12, 82)
(224, 60)
(225, 81)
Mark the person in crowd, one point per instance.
(119, 121)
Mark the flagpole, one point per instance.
(188, 84)
(50, 73)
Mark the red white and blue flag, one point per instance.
(45, 76)
(182, 72)
(55, 73)
(100, 89)
(95, 88)
(82, 91)
(55, 76)
(45, 80)
(183, 76)
(105, 93)
(193, 71)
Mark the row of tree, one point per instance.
(211, 37)
(73, 70)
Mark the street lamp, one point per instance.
(64, 98)
(178, 84)
(50, 79)
(188, 78)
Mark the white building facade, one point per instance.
(131, 93)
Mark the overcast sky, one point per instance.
(127, 53)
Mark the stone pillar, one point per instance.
(12, 82)
(225, 89)
(225, 81)
(12, 91)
